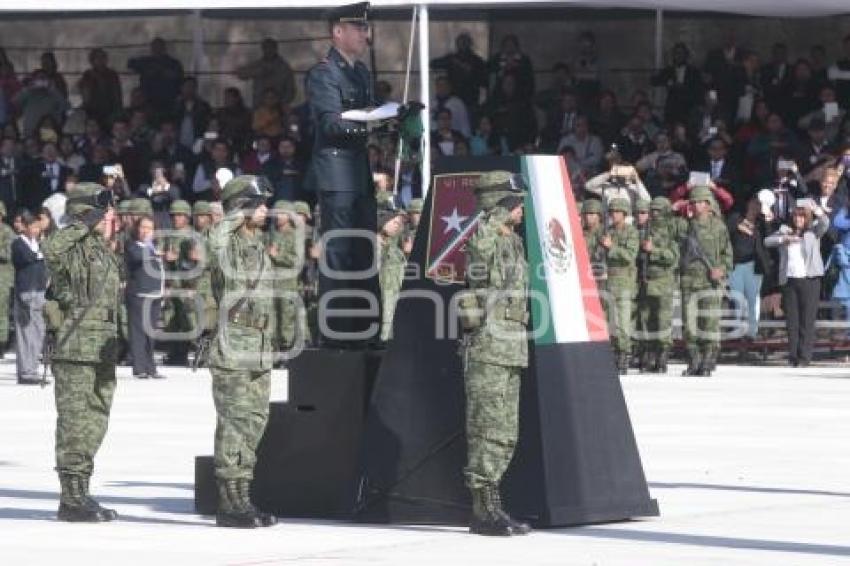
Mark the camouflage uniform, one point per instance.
(179, 310)
(622, 282)
(202, 284)
(242, 350)
(7, 278)
(657, 280)
(391, 274)
(85, 282)
(495, 314)
(308, 280)
(592, 238)
(701, 297)
(122, 240)
(286, 260)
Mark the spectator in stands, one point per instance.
(254, 161)
(466, 71)
(45, 179)
(561, 121)
(172, 153)
(270, 71)
(445, 99)
(132, 158)
(486, 141)
(800, 271)
(161, 192)
(68, 155)
(820, 65)
(205, 185)
(662, 169)
(235, 119)
(92, 171)
(141, 132)
(722, 170)
(191, 113)
(509, 60)
(445, 137)
(801, 94)
(816, 153)
(766, 148)
(720, 69)
(548, 100)
(9, 86)
(38, 99)
(751, 261)
(288, 178)
(92, 136)
(839, 255)
(683, 83)
(704, 118)
(776, 74)
(10, 174)
(512, 114)
(51, 70)
(587, 148)
(839, 72)
(268, 116)
(634, 142)
(100, 87)
(832, 201)
(588, 70)
(160, 76)
(747, 87)
(608, 120)
(30, 286)
(831, 115)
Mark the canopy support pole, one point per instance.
(406, 94)
(659, 39)
(425, 97)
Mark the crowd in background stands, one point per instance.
(742, 117)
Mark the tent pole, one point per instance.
(425, 97)
(197, 42)
(405, 95)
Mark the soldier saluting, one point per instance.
(340, 167)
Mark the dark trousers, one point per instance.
(141, 341)
(347, 210)
(800, 298)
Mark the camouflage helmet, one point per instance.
(699, 194)
(284, 205)
(124, 207)
(180, 207)
(620, 204)
(416, 206)
(246, 186)
(384, 197)
(141, 206)
(591, 206)
(3, 211)
(660, 203)
(83, 197)
(498, 187)
(201, 207)
(302, 207)
(387, 213)
(642, 206)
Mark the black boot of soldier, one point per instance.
(74, 507)
(231, 510)
(105, 513)
(661, 365)
(623, 363)
(707, 365)
(517, 527)
(265, 519)
(485, 520)
(649, 361)
(694, 363)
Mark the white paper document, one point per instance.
(384, 112)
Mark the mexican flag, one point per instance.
(565, 303)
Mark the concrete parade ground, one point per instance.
(751, 466)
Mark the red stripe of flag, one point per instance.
(597, 328)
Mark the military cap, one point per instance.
(141, 206)
(699, 194)
(387, 213)
(302, 207)
(201, 207)
(416, 206)
(384, 197)
(284, 205)
(124, 207)
(349, 14)
(83, 197)
(3, 211)
(180, 207)
(620, 204)
(591, 206)
(245, 186)
(660, 203)
(642, 206)
(498, 187)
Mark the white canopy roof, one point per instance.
(775, 8)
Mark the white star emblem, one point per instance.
(453, 221)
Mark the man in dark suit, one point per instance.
(683, 83)
(340, 172)
(46, 177)
(191, 113)
(10, 174)
(724, 172)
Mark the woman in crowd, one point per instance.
(30, 286)
(144, 296)
(800, 272)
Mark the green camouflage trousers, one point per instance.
(5, 297)
(83, 400)
(621, 300)
(655, 319)
(701, 317)
(492, 421)
(242, 408)
(287, 318)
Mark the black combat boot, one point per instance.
(517, 527)
(661, 364)
(622, 363)
(707, 365)
(231, 511)
(264, 519)
(485, 520)
(105, 513)
(694, 363)
(649, 360)
(74, 506)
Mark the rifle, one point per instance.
(693, 251)
(202, 349)
(47, 355)
(643, 265)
